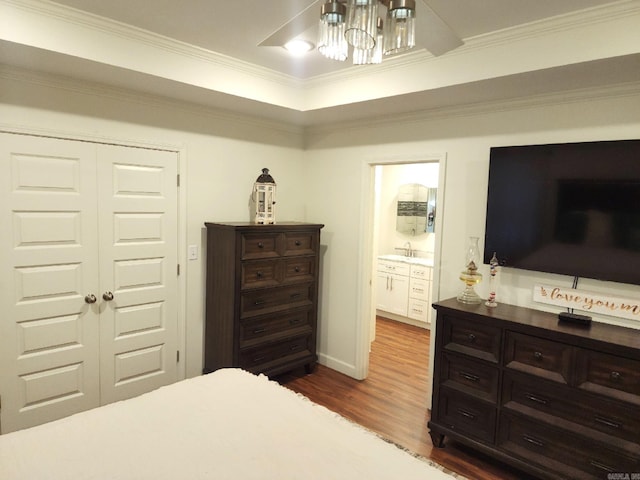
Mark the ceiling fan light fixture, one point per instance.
(331, 40)
(372, 55)
(360, 30)
(400, 26)
(298, 46)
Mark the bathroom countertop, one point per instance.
(427, 262)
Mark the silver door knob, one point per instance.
(107, 296)
(91, 298)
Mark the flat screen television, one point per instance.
(571, 208)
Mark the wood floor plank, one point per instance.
(392, 401)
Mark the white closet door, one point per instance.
(138, 251)
(83, 220)
(49, 263)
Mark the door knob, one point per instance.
(107, 296)
(91, 298)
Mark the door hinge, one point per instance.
(177, 356)
(178, 269)
(178, 180)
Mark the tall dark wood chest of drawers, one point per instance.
(262, 296)
(556, 400)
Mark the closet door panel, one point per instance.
(48, 333)
(138, 247)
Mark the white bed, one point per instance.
(229, 424)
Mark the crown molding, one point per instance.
(133, 97)
(627, 89)
(128, 32)
(558, 24)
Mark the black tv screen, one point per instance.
(571, 208)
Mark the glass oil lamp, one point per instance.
(470, 275)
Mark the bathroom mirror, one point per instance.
(416, 212)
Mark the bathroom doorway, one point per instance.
(378, 196)
(404, 236)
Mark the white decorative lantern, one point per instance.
(264, 196)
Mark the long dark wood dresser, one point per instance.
(261, 296)
(553, 399)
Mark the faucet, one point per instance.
(407, 250)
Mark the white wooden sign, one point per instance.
(587, 301)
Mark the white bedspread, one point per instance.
(226, 425)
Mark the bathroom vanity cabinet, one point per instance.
(403, 287)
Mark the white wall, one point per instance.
(341, 157)
(223, 154)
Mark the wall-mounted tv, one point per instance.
(571, 208)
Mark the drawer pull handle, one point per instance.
(532, 441)
(297, 269)
(615, 376)
(602, 466)
(259, 359)
(472, 338)
(607, 422)
(295, 295)
(260, 330)
(469, 376)
(466, 414)
(535, 399)
(259, 302)
(259, 274)
(537, 355)
(293, 348)
(298, 243)
(293, 321)
(260, 245)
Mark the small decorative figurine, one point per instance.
(493, 280)
(264, 196)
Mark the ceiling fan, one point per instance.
(432, 33)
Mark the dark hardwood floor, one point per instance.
(392, 400)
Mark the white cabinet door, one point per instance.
(64, 244)
(392, 293)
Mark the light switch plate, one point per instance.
(193, 252)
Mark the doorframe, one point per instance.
(366, 265)
(181, 153)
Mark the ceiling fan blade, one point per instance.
(432, 32)
(294, 27)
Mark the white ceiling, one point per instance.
(228, 33)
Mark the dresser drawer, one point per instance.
(255, 330)
(525, 393)
(268, 300)
(538, 356)
(260, 245)
(299, 269)
(470, 376)
(472, 338)
(300, 243)
(267, 356)
(561, 450)
(259, 273)
(609, 375)
(466, 415)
